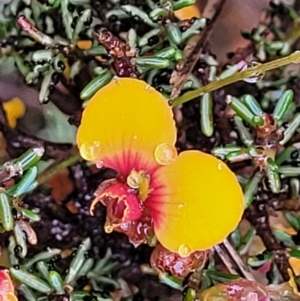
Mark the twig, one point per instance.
(255, 71)
(10, 170)
(287, 204)
(33, 32)
(183, 70)
(226, 259)
(237, 259)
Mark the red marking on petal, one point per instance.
(127, 160)
(6, 285)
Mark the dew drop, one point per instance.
(180, 206)
(90, 151)
(295, 57)
(148, 87)
(165, 154)
(184, 251)
(255, 77)
(109, 228)
(220, 166)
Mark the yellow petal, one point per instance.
(123, 124)
(14, 109)
(196, 202)
(188, 12)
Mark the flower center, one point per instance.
(140, 181)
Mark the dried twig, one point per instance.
(237, 259)
(10, 170)
(287, 204)
(193, 51)
(225, 259)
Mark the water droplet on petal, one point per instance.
(147, 87)
(220, 166)
(255, 77)
(90, 150)
(184, 251)
(165, 154)
(180, 206)
(109, 228)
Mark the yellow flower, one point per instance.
(190, 202)
(236, 290)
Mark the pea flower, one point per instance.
(6, 287)
(188, 202)
(236, 290)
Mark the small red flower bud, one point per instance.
(167, 261)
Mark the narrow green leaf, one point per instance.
(30, 280)
(78, 260)
(292, 220)
(283, 104)
(206, 114)
(6, 216)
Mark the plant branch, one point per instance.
(226, 259)
(237, 259)
(255, 71)
(292, 204)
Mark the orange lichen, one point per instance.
(66, 72)
(295, 264)
(6, 287)
(188, 12)
(14, 109)
(87, 44)
(191, 201)
(84, 44)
